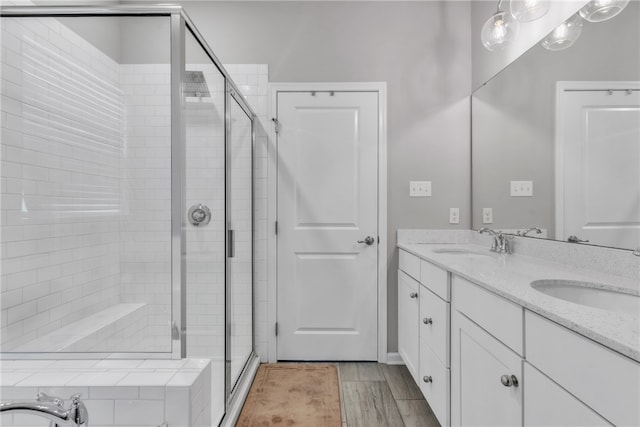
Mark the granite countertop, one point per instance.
(510, 276)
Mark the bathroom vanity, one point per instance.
(488, 348)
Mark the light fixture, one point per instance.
(601, 10)
(499, 30)
(528, 10)
(564, 35)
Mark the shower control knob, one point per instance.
(199, 215)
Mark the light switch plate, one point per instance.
(419, 188)
(521, 188)
(487, 215)
(454, 215)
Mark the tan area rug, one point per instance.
(293, 394)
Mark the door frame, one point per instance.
(272, 191)
(561, 88)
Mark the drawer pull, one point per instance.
(509, 380)
(413, 295)
(427, 379)
(427, 321)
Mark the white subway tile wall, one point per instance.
(62, 141)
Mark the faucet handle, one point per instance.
(78, 411)
(44, 397)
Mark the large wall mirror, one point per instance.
(563, 125)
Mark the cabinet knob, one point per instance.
(427, 321)
(413, 295)
(509, 380)
(427, 379)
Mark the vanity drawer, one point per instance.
(605, 380)
(434, 325)
(410, 264)
(435, 384)
(435, 279)
(501, 318)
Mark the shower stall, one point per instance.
(127, 192)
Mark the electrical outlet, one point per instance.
(420, 189)
(487, 215)
(454, 215)
(521, 188)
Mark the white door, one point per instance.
(599, 133)
(327, 146)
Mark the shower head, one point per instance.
(195, 84)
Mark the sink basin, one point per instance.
(461, 251)
(591, 294)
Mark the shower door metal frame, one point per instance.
(179, 24)
(232, 94)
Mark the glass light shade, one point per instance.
(564, 35)
(529, 10)
(499, 31)
(601, 10)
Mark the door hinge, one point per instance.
(276, 124)
(276, 228)
(276, 328)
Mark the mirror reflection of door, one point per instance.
(598, 153)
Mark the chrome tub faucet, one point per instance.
(51, 408)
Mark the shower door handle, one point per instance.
(231, 243)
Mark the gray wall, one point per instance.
(514, 118)
(422, 51)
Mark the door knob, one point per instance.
(413, 295)
(427, 321)
(368, 240)
(427, 379)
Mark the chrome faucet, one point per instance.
(51, 408)
(636, 251)
(500, 243)
(529, 230)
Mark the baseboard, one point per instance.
(394, 359)
(235, 407)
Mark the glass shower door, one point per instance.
(240, 222)
(204, 119)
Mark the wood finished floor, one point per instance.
(377, 395)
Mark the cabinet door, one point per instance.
(434, 325)
(408, 326)
(479, 362)
(548, 404)
(435, 384)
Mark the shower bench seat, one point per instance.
(119, 326)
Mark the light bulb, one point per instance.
(601, 10)
(564, 35)
(529, 10)
(499, 30)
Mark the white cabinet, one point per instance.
(435, 378)
(546, 404)
(606, 381)
(486, 362)
(408, 312)
(481, 359)
(486, 378)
